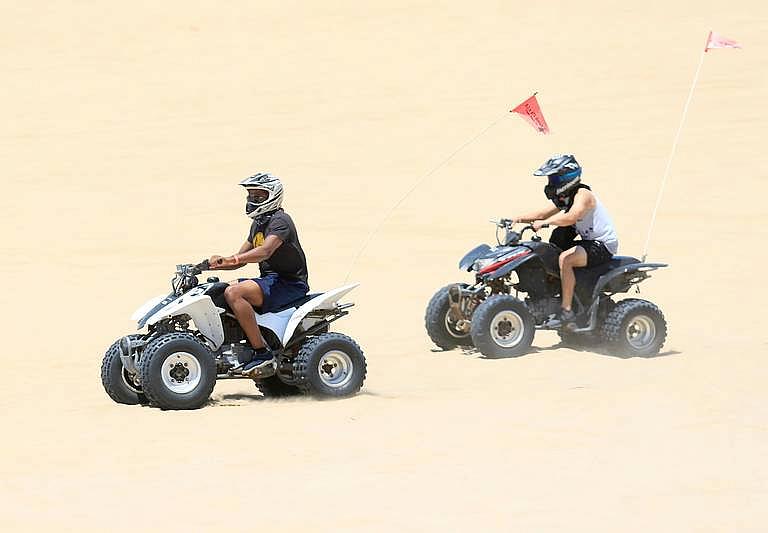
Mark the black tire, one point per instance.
(273, 387)
(317, 351)
(502, 326)
(436, 321)
(117, 381)
(591, 339)
(635, 328)
(158, 376)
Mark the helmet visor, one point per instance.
(258, 196)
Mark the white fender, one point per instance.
(277, 322)
(202, 311)
(327, 300)
(146, 307)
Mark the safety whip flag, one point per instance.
(532, 114)
(713, 41)
(718, 41)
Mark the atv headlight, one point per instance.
(482, 263)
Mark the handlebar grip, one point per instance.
(204, 265)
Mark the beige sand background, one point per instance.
(125, 130)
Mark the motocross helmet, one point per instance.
(563, 178)
(265, 194)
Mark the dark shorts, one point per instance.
(279, 291)
(565, 239)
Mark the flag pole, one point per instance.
(418, 182)
(674, 149)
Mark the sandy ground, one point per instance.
(125, 130)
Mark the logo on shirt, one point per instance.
(258, 239)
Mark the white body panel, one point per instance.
(206, 316)
(277, 322)
(139, 313)
(327, 300)
(201, 310)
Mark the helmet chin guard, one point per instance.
(272, 200)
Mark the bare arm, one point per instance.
(250, 254)
(582, 202)
(214, 260)
(541, 214)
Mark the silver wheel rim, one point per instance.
(128, 380)
(507, 329)
(181, 372)
(451, 328)
(640, 332)
(335, 369)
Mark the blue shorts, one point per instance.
(279, 291)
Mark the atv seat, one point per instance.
(587, 277)
(296, 303)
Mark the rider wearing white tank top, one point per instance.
(596, 225)
(576, 210)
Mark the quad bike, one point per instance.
(193, 339)
(517, 291)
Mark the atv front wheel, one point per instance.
(118, 383)
(635, 328)
(177, 371)
(330, 365)
(440, 323)
(502, 326)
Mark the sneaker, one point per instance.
(565, 319)
(262, 360)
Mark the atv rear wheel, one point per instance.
(330, 364)
(177, 371)
(635, 328)
(274, 387)
(441, 325)
(502, 326)
(118, 383)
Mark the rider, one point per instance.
(274, 244)
(576, 211)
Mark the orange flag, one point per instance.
(532, 114)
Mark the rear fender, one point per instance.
(626, 276)
(468, 260)
(325, 301)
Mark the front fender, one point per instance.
(468, 260)
(201, 310)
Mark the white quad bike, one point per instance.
(193, 339)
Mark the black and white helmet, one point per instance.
(265, 194)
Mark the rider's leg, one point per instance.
(570, 259)
(241, 297)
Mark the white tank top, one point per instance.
(596, 225)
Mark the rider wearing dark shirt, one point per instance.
(273, 243)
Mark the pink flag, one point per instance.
(718, 41)
(532, 114)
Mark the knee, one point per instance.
(231, 293)
(563, 260)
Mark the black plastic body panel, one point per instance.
(468, 260)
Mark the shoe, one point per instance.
(262, 359)
(566, 319)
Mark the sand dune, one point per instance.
(125, 131)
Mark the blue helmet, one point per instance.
(563, 178)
